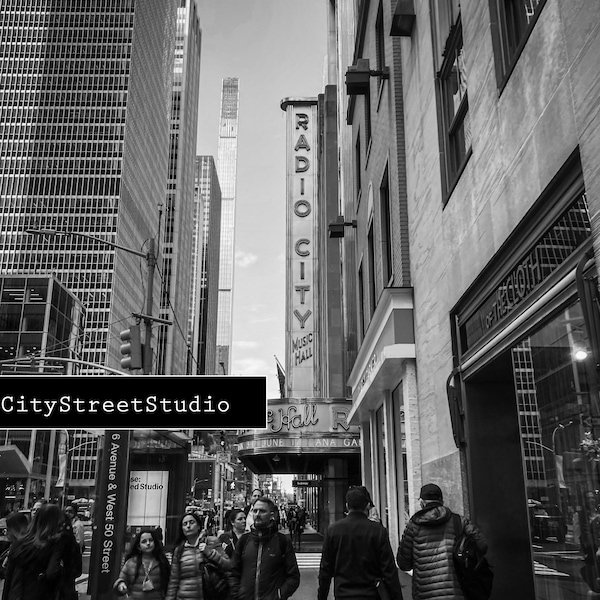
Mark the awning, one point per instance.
(13, 462)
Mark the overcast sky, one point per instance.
(277, 50)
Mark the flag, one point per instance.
(281, 378)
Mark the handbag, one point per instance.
(382, 590)
(214, 582)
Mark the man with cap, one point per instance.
(427, 544)
(357, 555)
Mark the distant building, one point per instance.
(39, 318)
(176, 252)
(85, 146)
(227, 170)
(205, 279)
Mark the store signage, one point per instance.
(302, 305)
(109, 521)
(305, 483)
(341, 443)
(550, 251)
(317, 417)
(147, 504)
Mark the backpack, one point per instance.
(472, 568)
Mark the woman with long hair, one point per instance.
(16, 526)
(145, 574)
(193, 548)
(237, 527)
(33, 569)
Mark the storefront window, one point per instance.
(559, 419)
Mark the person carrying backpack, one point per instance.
(264, 561)
(427, 547)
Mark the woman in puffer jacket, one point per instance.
(192, 548)
(427, 548)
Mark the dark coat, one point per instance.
(186, 571)
(70, 554)
(266, 559)
(426, 547)
(356, 553)
(32, 573)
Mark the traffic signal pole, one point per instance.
(151, 264)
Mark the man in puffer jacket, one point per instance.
(426, 548)
(264, 561)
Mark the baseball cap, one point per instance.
(430, 491)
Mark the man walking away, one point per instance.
(264, 561)
(357, 554)
(427, 544)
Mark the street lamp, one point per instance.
(150, 257)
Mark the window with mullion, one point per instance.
(455, 107)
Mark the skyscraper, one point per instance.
(178, 229)
(227, 170)
(205, 282)
(84, 139)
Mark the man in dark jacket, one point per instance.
(357, 554)
(427, 544)
(264, 561)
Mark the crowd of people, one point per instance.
(251, 559)
(44, 557)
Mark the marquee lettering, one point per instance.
(302, 121)
(302, 144)
(302, 318)
(292, 418)
(303, 289)
(302, 208)
(302, 242)
(302, 164)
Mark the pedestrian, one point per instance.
(145, 574)
(37, 505)
(33, 568)
(256, 494)
(70, 560)
(76, 525)
(236, 527)
(264, 561)
(192, 549)
(357, 554)
(586, 534)
(427, 547)
(16, 526)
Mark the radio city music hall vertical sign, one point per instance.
(302, 307)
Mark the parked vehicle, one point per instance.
(547, 522)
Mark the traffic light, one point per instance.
(222, 441)
(131, 348)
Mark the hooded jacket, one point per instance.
(426, 547)
(264, 566)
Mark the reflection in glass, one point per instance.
(559, 420)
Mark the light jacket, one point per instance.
(133, 575)
(186, 569)
(426, 547)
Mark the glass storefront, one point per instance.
(559, 422)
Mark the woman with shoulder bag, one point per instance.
(194, 555)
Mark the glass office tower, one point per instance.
(84, 139)
(227, 170)
(178, 229)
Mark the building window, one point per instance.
(357, 166)
(361, 301)
(512, 21)
(456, 125)
(386, 227)
(371, 251)
(379, 42)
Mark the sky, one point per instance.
(277, 49)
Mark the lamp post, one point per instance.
(150, 257)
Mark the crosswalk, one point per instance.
(308, 560)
